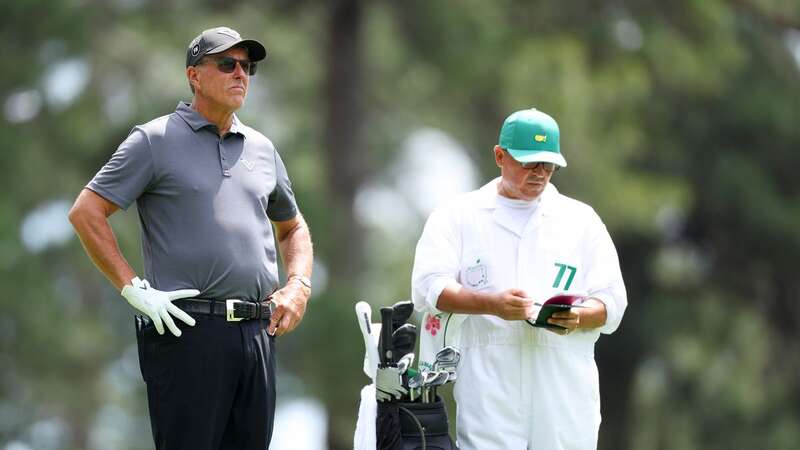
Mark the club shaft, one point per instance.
(387, 350)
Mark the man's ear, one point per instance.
(191, 75)
(499, 154)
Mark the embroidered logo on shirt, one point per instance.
(248, 164)
(476, 276)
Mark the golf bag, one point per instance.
(413, 426)
(400, 410)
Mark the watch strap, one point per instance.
(304, 280)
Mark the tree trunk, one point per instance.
(344, 115)
(346, 167)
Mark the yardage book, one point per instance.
(558, 302)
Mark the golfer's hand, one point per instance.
(290, 306)
(158, 304)
(512, 304)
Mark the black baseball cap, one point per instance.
(217, 40)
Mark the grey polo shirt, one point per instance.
(204, 203)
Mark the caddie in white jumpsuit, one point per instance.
(494, 252)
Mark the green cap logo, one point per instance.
(532, 136)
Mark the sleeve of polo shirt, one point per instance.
(128, 173)
(281, 205)
(436, 262)
(604, 278)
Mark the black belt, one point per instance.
(234, 310)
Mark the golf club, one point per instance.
(404, 339)
(401, 311)
(447, 359)
(405, 362)
(414, 384)
(431, 382)
(385, 343)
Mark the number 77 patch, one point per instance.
(563, 268)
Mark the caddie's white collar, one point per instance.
(487, 196)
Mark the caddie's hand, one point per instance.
(389, 384)
(513, 304)
(593, 314)
(158, 304)
(290, 306)
(569, 319)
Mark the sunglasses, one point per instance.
(226, 64)
(548, 167)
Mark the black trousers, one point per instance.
(213, 388)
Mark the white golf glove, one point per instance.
(158, 304)
(388, 384)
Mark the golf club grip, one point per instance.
(387, 348)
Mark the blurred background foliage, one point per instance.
(680, 122)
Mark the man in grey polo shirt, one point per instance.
(208, 190)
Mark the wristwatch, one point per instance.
(302, 279)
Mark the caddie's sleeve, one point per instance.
(604, 278)
(281, 205)
(128, 173)
(436, 262)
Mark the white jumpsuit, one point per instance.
(521, 387)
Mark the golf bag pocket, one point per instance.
(413, 426)
(425, 423)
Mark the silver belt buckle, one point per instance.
(230, 317)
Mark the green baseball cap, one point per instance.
(532, 136)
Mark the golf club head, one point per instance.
(402, 310)
(416, 381)
(405, 362)
(439, 379)
(447, 357)
(429, 377)
(408, 358)
(404, 339)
